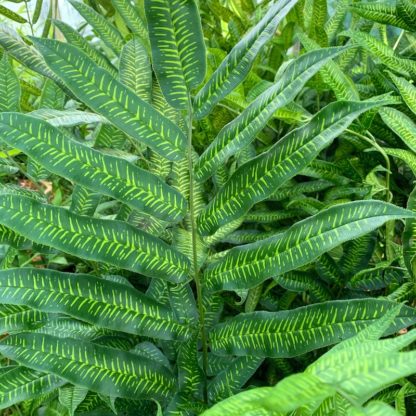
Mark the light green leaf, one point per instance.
(244, 128)
(297, 331)
(98, 172)
(247, 266)
(109, 241)
(71, 397)
(100, 302)
(178, 47)
(259, 178)
(108, 97)
(104, 370)
(406, 156)
(236, 66)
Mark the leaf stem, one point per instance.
(194, 233)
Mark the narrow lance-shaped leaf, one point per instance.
(236, 66)
(20, 383)
(407, 91)
(297, 331)
(108, 97)
(76, 39)
(99, 172)
(178, 47)
(243, 129)
(101, 26)
(136, 70)
(247, 266)
(17, 318)
(132, 18)
(109, 241)
(101, 369)
(259, 178)
(9, 86)
(401, 124)
(100, 302)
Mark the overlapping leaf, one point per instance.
(247, 266)
(101, 369)
(112, 242)
(108, 97)
(99, 172)
(100, 302)
(178, 47)
(244, 128)
(236, 66)
(259, 178)
(296, 331)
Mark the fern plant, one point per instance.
(224, 206)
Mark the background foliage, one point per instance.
(199, 199)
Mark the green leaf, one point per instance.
(247, 266)
(100, 302)
(71, 397)
(297, 331)
(407, 10)
(236, 66)
(244, 128)
(98, 172)
(109, 241)
(381, 13)
(401, 124)
(101, 26)
(178, 47)
(9, 86)
(132, 18)
(406, 156)
(67, 118)
(407, 91)
(108, 97)
(76, 39)
(84, 201)
(101, 369)
(18, 318)
(259, 178)
(136, 70)
(10, 14)
(9, 237)
(19, 383)
(230, 380)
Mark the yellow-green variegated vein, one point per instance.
(101, 302)
(98, 172)
(260, 177)
(243, 129)
(18, 383)
(102, 369)
(109, 241)
(407, 91)
(178, 48)
(236, 66)
(110, 98)
(247, 266)
(297, 331)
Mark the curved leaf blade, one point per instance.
(9, 86)
(244, 128)
(236, 66)
(178, 47)
(100, 302)
(259, 178)
(247, 266)
(20, 383)
(98, 172)
(104, 370)
(108, 97)
(297, 331)
(109, 241)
